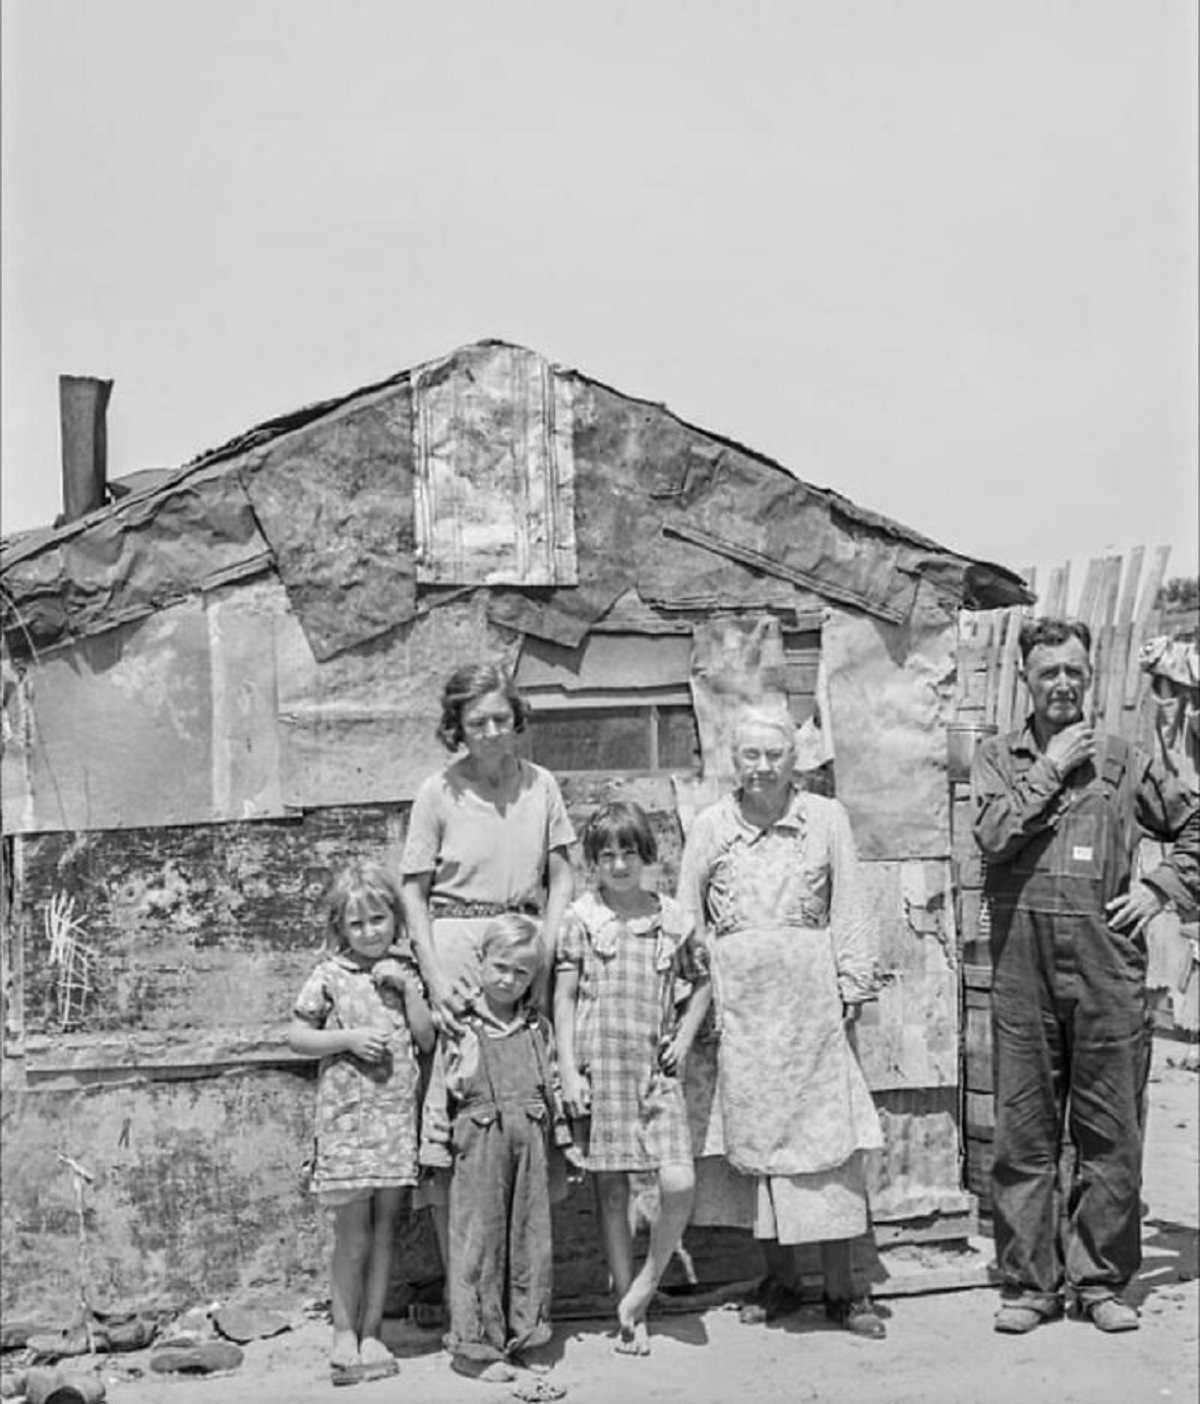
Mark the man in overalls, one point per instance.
(1059, 809)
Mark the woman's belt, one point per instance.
(447, 907)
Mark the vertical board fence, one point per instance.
(1120, 607)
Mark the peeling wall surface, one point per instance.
(891, 699)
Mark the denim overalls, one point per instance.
(1070, 1039)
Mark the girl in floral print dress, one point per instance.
(363, 1012)
(632, 988)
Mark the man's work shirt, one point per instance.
(1067, 844)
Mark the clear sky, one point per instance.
(940, 255)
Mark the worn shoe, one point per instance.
(1112, 1314)
(1016, 1318)
(769, 1301)
(858, 1317)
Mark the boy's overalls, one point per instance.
(500, 1245)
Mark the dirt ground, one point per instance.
(940, 1349)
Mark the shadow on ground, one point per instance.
(1170, 1254)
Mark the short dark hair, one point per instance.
(1048, 630)
(624, 824)
(468, 684)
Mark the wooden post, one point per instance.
(1141, 621)
(1116, 716)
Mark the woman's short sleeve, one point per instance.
(560, 832)
(313, 1003)
(423, 842)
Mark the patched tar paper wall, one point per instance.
(891, 697)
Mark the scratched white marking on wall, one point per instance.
(71, 958)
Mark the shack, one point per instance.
(222, 680)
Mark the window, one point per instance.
(619, 735)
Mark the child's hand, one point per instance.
(576, 1095)
(671, 1054)
(367, 1043)
(390, 972)
(576, 1169)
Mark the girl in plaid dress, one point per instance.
(632, 988)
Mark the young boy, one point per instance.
(489, 1111)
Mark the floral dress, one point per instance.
(366, 1116)
(631, 972)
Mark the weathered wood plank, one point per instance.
(1141, 622)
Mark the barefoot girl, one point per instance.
(632, 988)
(363, 1031)
(489, 1114)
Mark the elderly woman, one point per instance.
(488, 834)
(771, 874)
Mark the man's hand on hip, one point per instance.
(1134, 909)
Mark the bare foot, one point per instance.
(374, 1352)
(345, 1350)
(632, 1338)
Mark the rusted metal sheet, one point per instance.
(494, 469)
(128, 561)
(334, 499)
(170, 720)
(891, 700)
(195, 933)
(360, 727)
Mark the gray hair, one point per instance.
(770, 713)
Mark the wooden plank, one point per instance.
(914, 1269)
(1056, 595)
(1104, 615)
(1102, 643)
(1141, 622)
(1091, 591)
(1109, 589)
(1005, 687)
(979, 1115)
(979, 1170)
(1118, 660)
(1133, 571)
(977, 1044)
(929, 1228)
(991, 690)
